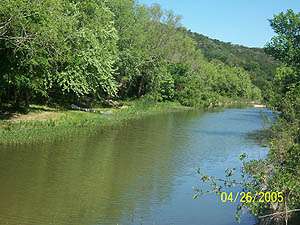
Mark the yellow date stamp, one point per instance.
(250, 197)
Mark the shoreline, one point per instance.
(259, 106)
(50, 124)
(45, 124)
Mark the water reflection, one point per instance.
(140, 173)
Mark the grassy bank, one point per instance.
(44, 124)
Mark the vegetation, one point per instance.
(58, 52)
(45, 124)
(259, 65)
(64, 52)
(279, 172)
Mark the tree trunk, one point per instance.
(141, 85)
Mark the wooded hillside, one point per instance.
(85, 52)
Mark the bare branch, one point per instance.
(279, 213)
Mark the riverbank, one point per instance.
(44, 124)
(128, 165)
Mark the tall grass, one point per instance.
(72, 123)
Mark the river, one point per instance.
(142, 172)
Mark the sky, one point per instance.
(242, 22)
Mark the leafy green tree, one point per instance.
(54, 48)
(260, 66)
(280, 171)
(285, 46)
(56, 51)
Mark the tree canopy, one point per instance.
(280, 171)
(260, 66)
(62, 52)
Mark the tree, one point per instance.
(56, 48)
(285, 46)
(280, 171)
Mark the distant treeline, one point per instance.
(255, 61)
(72, 51)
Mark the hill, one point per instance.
(255, 61)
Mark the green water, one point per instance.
(140, 173)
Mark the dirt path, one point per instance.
(36, 116)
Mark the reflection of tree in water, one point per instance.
(91, 180)
(144, 167)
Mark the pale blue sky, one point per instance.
(237, 21)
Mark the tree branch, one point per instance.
(279, 213)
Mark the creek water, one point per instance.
(142, 172)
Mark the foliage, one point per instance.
(48, 124)
(280, 171)
(51, 48)
(63, 52)
(215, 81)
(74, 51)
(285, 45)
(259, 65)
